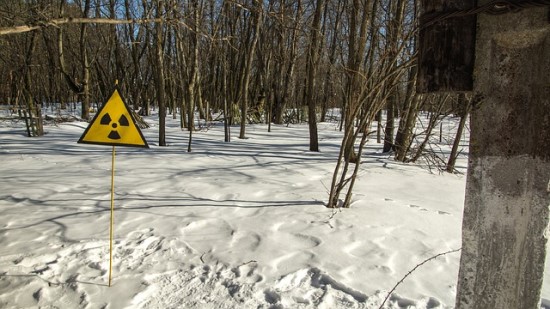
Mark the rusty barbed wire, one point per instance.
(497, 7)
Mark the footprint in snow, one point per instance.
(246, 273)
(418, 207)
(440, 212)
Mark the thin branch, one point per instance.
(412, 270)
(74, 20)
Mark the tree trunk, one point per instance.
(390, 124)
(406, 128)
(159, 76)
(397, 8)
(136, 34)
(407, 122)
(465, 107)
(194, 74)
(358, 27)
(33, 112)
(183, 91)
(72, 83)
(311, 68)
(248, 65)
(85, 63)
(226, 110)
(354, 102)
(506, 213)
(379, 127)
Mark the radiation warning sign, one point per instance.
(114, 125)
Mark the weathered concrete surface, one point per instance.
(506, 212)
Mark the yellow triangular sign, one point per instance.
(114, 125)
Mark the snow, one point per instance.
(229, 225)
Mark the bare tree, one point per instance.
(311, 67)
(81, 88)
(364, 104)
(159, 72)
(193, 63)
(252, 41)
(85, 63)
(287, 35)
(395, 23)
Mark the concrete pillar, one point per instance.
(506, 212)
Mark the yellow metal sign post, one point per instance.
(112, 223)
(113, 125)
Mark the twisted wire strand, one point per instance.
(496, 7)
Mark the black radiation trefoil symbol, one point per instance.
(106, 120)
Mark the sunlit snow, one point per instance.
(229, 225)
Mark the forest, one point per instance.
(241, 62)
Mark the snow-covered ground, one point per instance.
(229, 225)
